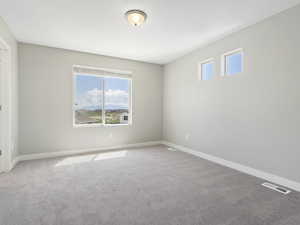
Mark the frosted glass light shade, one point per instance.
(136, 17)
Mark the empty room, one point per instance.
(149, 112)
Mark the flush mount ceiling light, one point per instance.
(136, 17)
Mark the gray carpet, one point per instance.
(149, 186)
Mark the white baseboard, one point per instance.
(245, 169)
(27, 157)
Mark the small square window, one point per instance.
(207, 70)
(233, 63)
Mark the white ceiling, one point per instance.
(173, 28)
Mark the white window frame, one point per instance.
(223, 60)
(103, 124)
(210, 60)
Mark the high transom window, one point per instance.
(232, 62)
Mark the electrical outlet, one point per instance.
(187, 137)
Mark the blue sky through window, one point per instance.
(116, 93)
(207, 71)
(233, 63)
(89, 92)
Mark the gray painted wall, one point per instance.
(253, 118)
(8, 37)
(46, 102)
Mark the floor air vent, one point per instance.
(276, 188)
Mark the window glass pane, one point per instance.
(116, 100)
(207, 71)
(88, 100)
(233, 63)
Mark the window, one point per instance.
(207, 69)
(232, 62)
(88, 99)
(101, 99)
(116, 100)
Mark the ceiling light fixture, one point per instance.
(136, 17)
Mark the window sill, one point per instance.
(99, 125)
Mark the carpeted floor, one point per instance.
(149, 186)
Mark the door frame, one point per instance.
(6, 101)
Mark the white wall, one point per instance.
(8, 37)
(46, 102)
(252, 119)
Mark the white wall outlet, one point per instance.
(187, 137)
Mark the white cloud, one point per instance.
(93, 99)
(116, 98)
